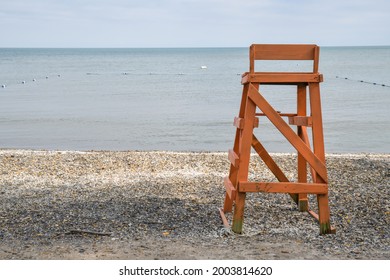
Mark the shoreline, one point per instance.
(164, 205)
(335, 154)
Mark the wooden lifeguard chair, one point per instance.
(236, 183)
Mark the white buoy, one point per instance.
(203, 67)
(3, 86)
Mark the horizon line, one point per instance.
(183, 47)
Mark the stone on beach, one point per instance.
(153, 197)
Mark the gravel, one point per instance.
(56, 203)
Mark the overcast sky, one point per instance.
(192, 23)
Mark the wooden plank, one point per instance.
(300, 121)
(301, 111)
(280, 114)
(281, 77)
(230, 190)
(305, 139)
(282, 187)
(271, 164)
(244, 152)
(303, 202)
(233, 158)
(252, 58)
(313, 214)
(223, 217)
(286, 130)
(319, 151)
(316, 59)
(318, 136)
(301, 100)
(228, 203)
(268, 160)
(316, 217)
(256, 122)
(239, 122)
(283, 52)
(246, 139)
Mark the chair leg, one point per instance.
(323, 213)
(319, 151)
(238, 217)
(303, 203)
(244, 155)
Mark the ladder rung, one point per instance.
(239, 122)
(233, 157)
(230, 190)
(300, 120)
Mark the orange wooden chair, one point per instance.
(236, 183)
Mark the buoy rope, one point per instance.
(126, 73)
(362, 81)
(22, 82)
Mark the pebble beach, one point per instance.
(164, 205)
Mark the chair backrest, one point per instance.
(283, 52)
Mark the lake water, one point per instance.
(162, 99)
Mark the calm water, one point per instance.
(161, 99)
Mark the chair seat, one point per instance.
(281, 78)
